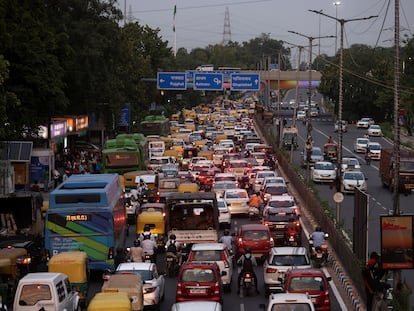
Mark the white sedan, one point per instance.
(154, 282)
(237, 201)
(301, 115)
(365, 122)
(351, 180)
(361, 145)
(374, 130)
(323, 171)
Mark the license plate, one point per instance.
(280, 226)
(319, 255)
(170, 259)
(247, 280)
(236, 204)
(197, 291)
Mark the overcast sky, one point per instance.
(200, 23)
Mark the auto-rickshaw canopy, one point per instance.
(154, 217)
(72, 263)
(110, 301)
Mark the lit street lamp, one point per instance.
(336, 4)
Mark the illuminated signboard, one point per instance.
(81, 123)
(58, 129)
(77, 217)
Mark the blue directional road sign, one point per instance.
(245, 82)
(171, 80)
(208, 81)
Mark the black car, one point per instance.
(280, 221)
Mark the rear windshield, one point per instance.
(256, 235)
(306, 283)
(198, 275)
(290, 260)
(281, 203)
(207, 255)
(291, 306)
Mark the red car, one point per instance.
(199, 281)
(311, 281)
(257, 237)
(206, 178)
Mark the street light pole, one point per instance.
(336, 4)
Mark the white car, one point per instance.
(301, 115)
(237, 201)
(281, 201)
(314, 112)
(224, 213)
(154, 283)
(361, 145)
(280, 260)
(200, 305)
(290, 301)
(374, 150)
(344, 126)
(273, 180)
(214, 252)
(315, 156)
(323, 171)
(350, 163)
(365, 122)
(352, 179)
(260, 176)
(374, 130)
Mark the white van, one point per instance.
(48, 291)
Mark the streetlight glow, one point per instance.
(336, 4)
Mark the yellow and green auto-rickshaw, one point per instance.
(75, 265)
(153, 215)
(110, 301)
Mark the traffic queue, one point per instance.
(212, 167)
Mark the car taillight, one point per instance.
(23, 260)
(111, 253)
(179, 289)
(248, 275)
(217, 288)
(271, 270)
(272, 242)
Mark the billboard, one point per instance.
(397, 242)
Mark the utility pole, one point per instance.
(309, 125)
(336, 4)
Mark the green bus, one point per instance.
(121, 155)
(155, 125)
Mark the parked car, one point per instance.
(257, 237)
(311, 281)
(199, 281)
(280, 261)
(218, 253)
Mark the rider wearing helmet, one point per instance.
(247, 262)
(318, 237)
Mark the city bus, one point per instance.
(86, 213)
(121, 155)
(155, 125)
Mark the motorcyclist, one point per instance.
(147, 232)
(227, 239)
(254, 200)
(142, 188)
(149, 247)
(247, 262)
(291, 228)
(170, 252)
(136, 253)
(318, 237)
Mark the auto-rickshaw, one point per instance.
(330, 152)
(172, 153)
(153, 215)
(110, 301)
(208, 154)
(175, 117)
(188, 187)
(127, 283)
(75, 265)
(188, 153)
(131, 177)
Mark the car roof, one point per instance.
(306, 271)
(289, 250)
(196, 305)
(248, 227)
(124, 266)
(208, 246)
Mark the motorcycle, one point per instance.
(291, 238)
(254, 213)
(148, 258)
(246, 284)
(172, 264)
(319, 255)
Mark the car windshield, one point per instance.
(317, 152)
(290, 306)
(362, 141)
(198, 275)
(375, 147)
(286, 203)
(306, 283)
(290, 260)
(276, 190)
(236, 195)
(207, 255)
(353, 176)
(324, 166)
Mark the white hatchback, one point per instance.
(224, 213)
(237, 201)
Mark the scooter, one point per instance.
(172, 264)
(254, 213)
(246, 284)
(319, 255)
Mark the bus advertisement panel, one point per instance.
(87, 213)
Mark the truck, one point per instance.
(290, 137)
(406, 175)
(20, 216)
(192, 217)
